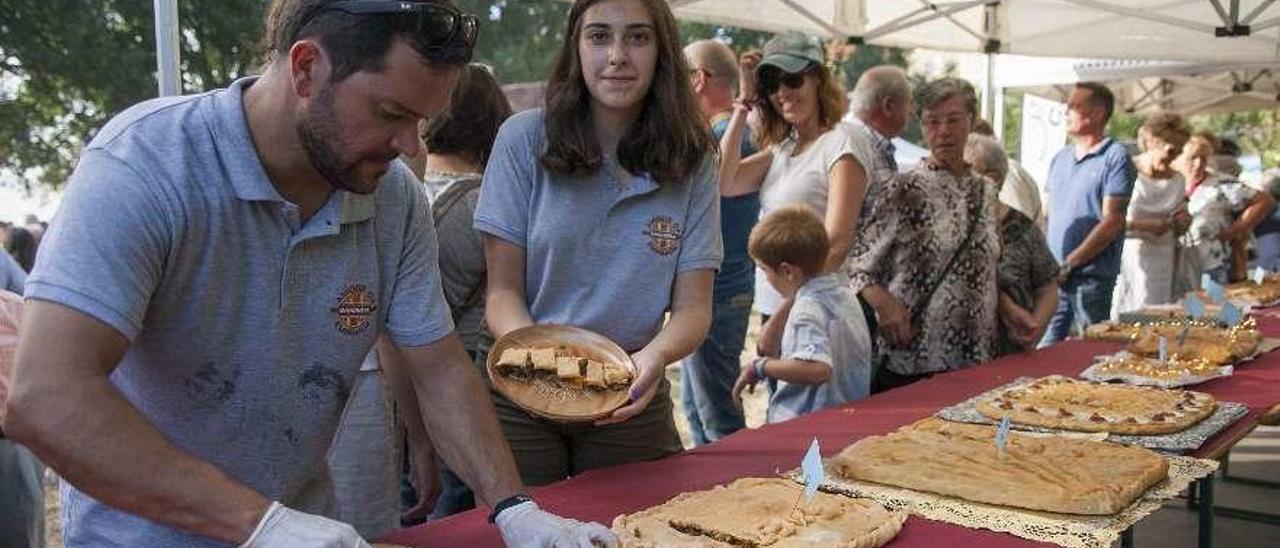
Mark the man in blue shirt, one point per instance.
(1090, 181)
(707, 375)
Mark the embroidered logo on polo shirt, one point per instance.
(664, 235)
(355, 309)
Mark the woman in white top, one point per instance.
(1157, 216)
(807, 155)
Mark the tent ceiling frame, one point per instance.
(952, 18)
(1274, 21)
(1151, 99)
(1234, 27)
(1202, 104)
(804, 12)
(1210, 86)
(928, 12)
(1146, 93)
(1141, 14)
(1253, 15)
(1222, 13)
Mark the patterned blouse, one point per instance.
(1025, 265)
(1214, 205)
(922, 217)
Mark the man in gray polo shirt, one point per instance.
(221, 265)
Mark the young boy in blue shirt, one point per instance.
(826, 350)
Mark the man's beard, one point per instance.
(317, 131)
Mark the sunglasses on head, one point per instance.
(437, 24)
(771, 79)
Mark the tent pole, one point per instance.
(989, 90)
(168, 75)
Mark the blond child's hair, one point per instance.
(792, 234)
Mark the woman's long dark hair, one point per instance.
(477, 109)
(669, 140)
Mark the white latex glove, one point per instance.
(527, 526)
(283, 527)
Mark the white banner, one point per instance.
(1044, 131)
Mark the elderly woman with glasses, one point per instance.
(1027, 273)
(808, 157)
(926, 259)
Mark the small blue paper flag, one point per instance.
(1164, 349)
(1194, 306)
(811, 466)
(1002, 432)
(1215, 291)
(1259, 275)
(1230, 315)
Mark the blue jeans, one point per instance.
(708, 375)
(1082, 301)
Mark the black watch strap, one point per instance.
(507, 503)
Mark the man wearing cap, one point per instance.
(809, 156)
(260, 239)
(707, 376)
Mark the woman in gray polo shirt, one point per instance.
(601, 211)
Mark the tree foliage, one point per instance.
(1257, 132)
(66, 66)
(518, 38)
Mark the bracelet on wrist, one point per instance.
(758, 367)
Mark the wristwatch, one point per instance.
(507, 503)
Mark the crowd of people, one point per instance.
(284, 337)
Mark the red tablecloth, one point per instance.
(601, 495)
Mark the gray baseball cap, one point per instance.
(792, 52)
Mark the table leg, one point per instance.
(1225, 465)
(1206, 511)
(1126, 538)
(1191, 495)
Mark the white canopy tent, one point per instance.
(1147, 86)
(1195, 31)
(1189, 30)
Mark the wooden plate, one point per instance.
(547, 399)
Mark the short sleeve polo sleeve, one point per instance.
(418, 313)
(505, 194)
(105, 252)
(1121, 173)
(703, 247)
